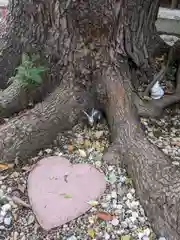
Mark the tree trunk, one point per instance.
(93, 52)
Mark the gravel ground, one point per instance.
(87, 145)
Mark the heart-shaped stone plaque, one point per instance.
(59, 191)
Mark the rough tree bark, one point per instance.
(94, 50)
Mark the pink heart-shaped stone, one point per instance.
(59, 191)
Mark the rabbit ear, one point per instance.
(86, 113)
(93, 110)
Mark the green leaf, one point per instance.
(34, 75)
(28, 73)
(35, 57)
(65, 195)
(128, 181)
(112, 178)
(91, 233)
(25, 58)
(20, 70)
(93, 203)
(37, 79)
(126, 237)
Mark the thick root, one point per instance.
(24, 135)
(155, 108)
(156, 180)
(17, 97)
(13, 99)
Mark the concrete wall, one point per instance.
(3, 2)
(168, 21)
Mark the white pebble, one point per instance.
(124, 224)
(110, 168)
(15, 235)
(9, 190)
(162, 238)
(1, 193)
(1, 219)
(72, 238)
(134, 204)
(23, 237)
(122, 179)
(114, 194)
(8, 220)
(142, 220)
(6, 207)
(135, 215)
(98, 163)
(3, 187)
(48, 150)
(132, 190)
(3, 213)
(115, 222)
(128, 204)
(165, 151)
(175, 163)
(129, 196)
(119, 206)
(2, 227)
(108, 197)
(104, 205)
(31, 219)
(106, 236)
(40, 153)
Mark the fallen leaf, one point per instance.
(125, 237)
(99, 134)
(65, 195)
(176, 144)
(87, 143)
(28, 168)
(93, 203)
(21, 188)
(31, 219)
(20, 202)
(105, 216)
(92, 219)
(91, 233)
(82, 153)
(112, 178)
(70, 148)
(128, 181)
(5, 166)
(3, 177)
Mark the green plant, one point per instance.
(29, 73)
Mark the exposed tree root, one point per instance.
(156, 181)
(154, 108)
(24, 135)
(13, 99)
(18, 97)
